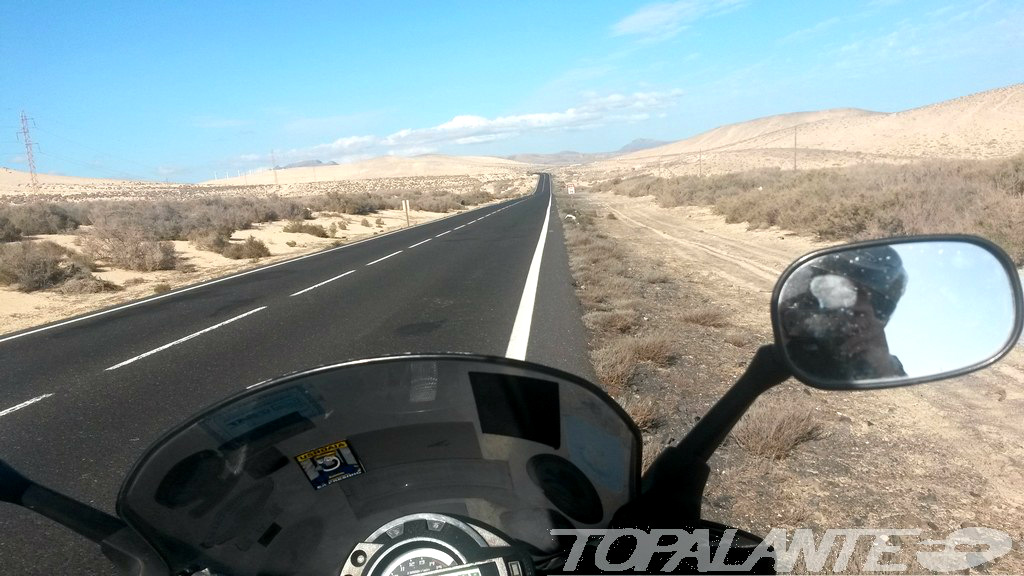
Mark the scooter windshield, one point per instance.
(287, 477)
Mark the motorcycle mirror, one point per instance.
(896, 312)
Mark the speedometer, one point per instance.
(418, 561)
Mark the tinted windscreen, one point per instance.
(287, 478)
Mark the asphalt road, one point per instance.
(106, 385)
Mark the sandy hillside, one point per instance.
(386, 167)
(979, 126)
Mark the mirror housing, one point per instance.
(896, 312)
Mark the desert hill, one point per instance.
(385, 167)
(983, 125)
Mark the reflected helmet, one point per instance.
(878, 269)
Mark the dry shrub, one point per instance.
(619, 321)
(35, 265)
(642, 411)
(773, 429)
(251, 248)
(298, 226)
(365, 223)
(617, 362)
(8, 231)
(87, 284)
(291, 243)
(130, 248)
(134, 281)
(706, 316)
(161, 288)
(210, 240)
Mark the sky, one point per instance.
(186, 91)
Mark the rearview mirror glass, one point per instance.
(899, 312)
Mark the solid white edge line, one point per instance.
(419, 243)
(520, 338)
(442, 233)
(186, 338)
(24, 404)
(314, 286)
(226, 278)
(384, 258)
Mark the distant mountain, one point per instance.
(306, 164)
(641, 144)
(559, 158)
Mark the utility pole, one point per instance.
(27, 139)
(273, 165)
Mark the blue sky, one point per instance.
(183, 90)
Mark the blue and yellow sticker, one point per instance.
(329, 464)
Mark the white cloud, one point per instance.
(661, 21)
(466, 130)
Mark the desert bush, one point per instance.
(8, 231)
(774, 431)
(365, 223)
(297, 226)
(37, 265)
(129, 248)
(161, 288)
(379, 222)
(87, 284)
(291, 243)
(619, 321)
(134, 281)
(39, 218)
(706, 316)
(643, 411)
(617, 361)
(251, 248)
(210, 240)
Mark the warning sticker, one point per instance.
(329, 464)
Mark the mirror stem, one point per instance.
(764, 372)
(673, 487)
(94, 524)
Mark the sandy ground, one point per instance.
(23, 310)
(936, 457)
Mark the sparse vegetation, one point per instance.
(251, 248)
(38, 265)
(706, 316)
(298, 226)
(643, 411)
(774, 431)
(973, 197)
(161, 288)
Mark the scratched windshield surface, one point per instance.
(287, 478)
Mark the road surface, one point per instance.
(81, 400)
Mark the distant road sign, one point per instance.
(570, 189)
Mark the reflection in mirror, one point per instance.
(896, 312)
